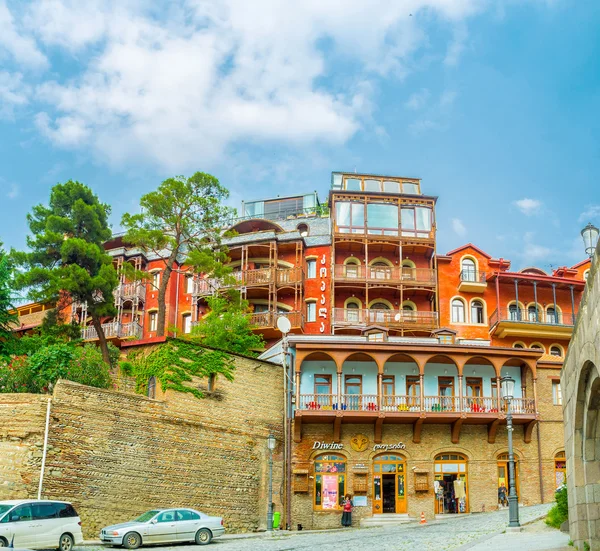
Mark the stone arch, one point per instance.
(457, 450)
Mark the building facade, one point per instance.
(395, 351)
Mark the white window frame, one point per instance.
(311, 311)
(187, 324)
(153, 321)
(556, 393)
(311, 268)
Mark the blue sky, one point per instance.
(495, 104)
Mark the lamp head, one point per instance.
(271, 442)
(507, 385)
(590, 238)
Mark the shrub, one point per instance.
(560, 511)
(16, 376)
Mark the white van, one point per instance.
(39, 524)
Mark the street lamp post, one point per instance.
(271, 442)
(508, 387)
(590, 239)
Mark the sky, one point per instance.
(494, 104)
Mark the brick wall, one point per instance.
(116, 454)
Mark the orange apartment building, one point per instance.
(396, 351)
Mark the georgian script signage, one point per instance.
(323, 308)
(389, 447)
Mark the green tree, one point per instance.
(182, 223)
(7, 315)
(66, 257)
(227, 327)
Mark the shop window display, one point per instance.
(450, 484)
(330, 482)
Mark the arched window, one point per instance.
(352, 311)
(458, 311)
(533, 313)
(514, 312)
(151, 393)
(352, 267)
(330, 482)
(518, 345)
(476, 311)
(380, 268)
(469, 271)
(552, 315)
(555, 351)
(377, 312)
(537, 346)
(379, 306)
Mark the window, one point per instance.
(187, 323)
(377, 313)
(413, 390)
(350, 217)
(556, 393)
(156, 279)
(537, 346)
(311, 311)
(22, 513)
(372, 185)
(330, 482)
(382, 219)
(388, 385)
(353, 384)
(323, 384)
(377, 336)
(65, 510)
(495, 390)
(458, 311)
(555, 351)
(552, 315)
(43, 511)
(351, 268)
(151, 392)
(391, 187)
(446, 386)
(408, 187)
(416, 221)
(353, 184)
(476, 311)
(302, 230)
(474, 386)
(469, 272)
(184, 514)
(189, 284)
(533, 313)
(311, 269)
(446, 339)
(518, 345)
(514, 313)
(153, 316)
(352, 312)
(166, 516)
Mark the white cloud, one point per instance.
(8, 189)
(184, 85)
(418, 100)
(20, 47)
(590, 212)
(528, 206)
(459, 227)
(532, 252)
(13, 93)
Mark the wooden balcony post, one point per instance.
(379, 391)
(297, 389)
(535, 400)
(498, 395)
(339, 389)
(422, 393)
(460, 393)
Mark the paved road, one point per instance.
(451, 534)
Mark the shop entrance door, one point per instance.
(389, 483)
(451, 484)
(504, 476)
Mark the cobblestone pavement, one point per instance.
(455, 533)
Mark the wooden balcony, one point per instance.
(268, 320)
(518, 323)
(385, 275)
(392, 319)
(451, 410)
(113, 330)
(261, 277)
(131, 291)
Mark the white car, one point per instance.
(164, 526)
(39, 524)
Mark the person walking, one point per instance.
(347, 511)
(502, 495)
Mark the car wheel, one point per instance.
(3, 542)
(132, 540)
(203, 536)
(66, 543)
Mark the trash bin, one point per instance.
(276, 519)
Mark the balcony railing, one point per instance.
(249, 278)
(131, 291)
(113, 330)
(268, 320)
(412, 404)
(473, 276)
(539, 317)
(405, 319)
(384, 274)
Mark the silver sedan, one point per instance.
(164, 526)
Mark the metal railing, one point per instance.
(472, 276)
(248, 278)
(406, 319)
(408, 404)
(268, 320)
(526, 316)
(113, 330)
(391, 274)
(131, 291)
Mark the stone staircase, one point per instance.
(388, 519)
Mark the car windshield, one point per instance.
(146, 516)
(4, 508)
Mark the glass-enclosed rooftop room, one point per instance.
(281, 207)
(370, 183)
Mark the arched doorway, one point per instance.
(330, 482)
(389, 484)
(504, 477)
(560, 469)
(451, 484)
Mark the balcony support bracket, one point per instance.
(455, 432)
(418, 425)
(337, 428)
(298, 428)
(528, 431)
(492, 430)
(378, 428)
